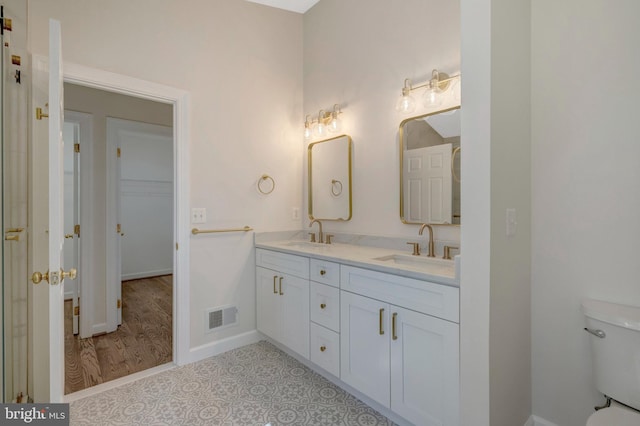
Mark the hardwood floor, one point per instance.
(141, 342)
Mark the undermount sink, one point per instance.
(409, 260)
(304, 244)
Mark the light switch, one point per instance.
(198, 215)
(511, 222)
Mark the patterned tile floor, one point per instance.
(253, 385)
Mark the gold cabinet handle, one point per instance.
(323, 305)
(323, 348)
(281, 293)
(12, 231)
(322, 272)
(381, 315)
(37, 277)
(274, 284)
(394, 336)
(12, 237)
(68, 235)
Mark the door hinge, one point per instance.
(76, 230)
(118, 153)
(118, 228)
(76, 311)
(76, 147)
(119, 304)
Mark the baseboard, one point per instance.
(146, 274)
(215, 348)
(538, 421)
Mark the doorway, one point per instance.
(122, 160)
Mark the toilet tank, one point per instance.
(616, 356)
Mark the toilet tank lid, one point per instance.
(612, 313)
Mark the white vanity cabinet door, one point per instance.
(268, 302)
(283, 309)
(364, 346)
(294, 311)
(424, 368)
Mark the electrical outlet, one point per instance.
(295, 213)
(198, 215)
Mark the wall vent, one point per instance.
(220, 317)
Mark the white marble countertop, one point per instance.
(398, 262)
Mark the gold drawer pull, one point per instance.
(274, 284)
(394, 336)
(381, 314)
(323, 305)
(322, 272)
(323, 348)
(281, 293)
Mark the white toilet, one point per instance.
(615, 347)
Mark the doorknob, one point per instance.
(37, 277)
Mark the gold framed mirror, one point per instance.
(330, 196)
(430, 168)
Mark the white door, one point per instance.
(428, 181)
(424, 368)
(48, 230)
(364, 345)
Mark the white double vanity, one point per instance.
(381, 321)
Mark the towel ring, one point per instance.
(334, 184)
(264, 178)
(456, 151)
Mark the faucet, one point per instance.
(431, 244)
(320, 235)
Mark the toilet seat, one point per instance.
(616, 414)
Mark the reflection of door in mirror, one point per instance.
(429, 170)
(330, 179)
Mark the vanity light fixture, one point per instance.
(327, 122)
(438, 84)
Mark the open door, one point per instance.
(48, 227)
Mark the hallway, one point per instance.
(144, 339)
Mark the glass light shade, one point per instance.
(432, 97)
(335, 125)
(406, 103)
(320, 130)
(307, 132)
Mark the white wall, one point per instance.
(585, 177)
(357, 53)
(101, 105)
(242, 64)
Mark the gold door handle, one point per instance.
(281, 293)
(37, 277)
(68, 235)
(322, 272)
(323, 348)
(274, 284)
(71, 274)
(394, 336)
(381, 315)
(323, 305)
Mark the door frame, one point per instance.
(85, 266)
(180, 99)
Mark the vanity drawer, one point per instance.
(283, 262)
(325, 305)
(325, 348)
(325, 272)
(433, 299)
